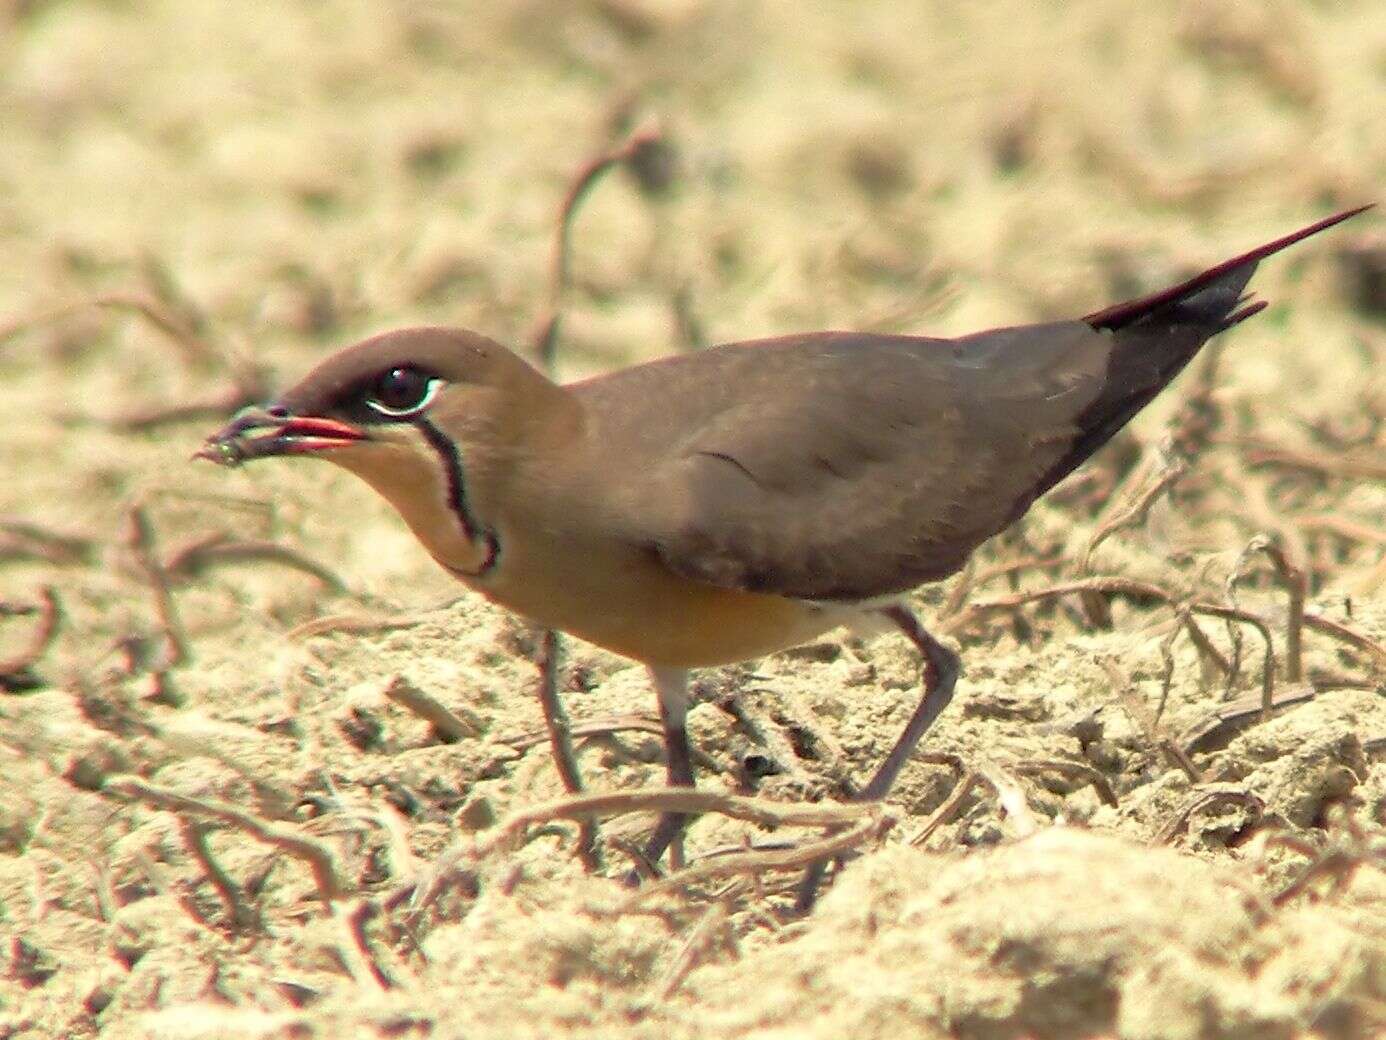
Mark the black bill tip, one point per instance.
(260, 433)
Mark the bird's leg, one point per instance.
(671, 684)
(941, 668)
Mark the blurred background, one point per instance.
(199, 200)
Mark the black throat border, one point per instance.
(457, 496)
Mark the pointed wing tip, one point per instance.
(1350, 213)
(1322, 225)
(1120, 314)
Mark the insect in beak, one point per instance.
(257, 433)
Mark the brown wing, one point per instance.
(840, 466)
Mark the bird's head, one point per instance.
(423, 415)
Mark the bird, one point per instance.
(716, 506)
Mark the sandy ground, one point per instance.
(1101, 837)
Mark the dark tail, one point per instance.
(1210, 298)
(1156, 336)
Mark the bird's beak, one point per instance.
(257, 433)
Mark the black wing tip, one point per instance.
(1122, 314)
(1239, 316)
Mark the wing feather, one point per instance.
(848, 467)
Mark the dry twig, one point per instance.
(853, 824)
(317, 855)
(139, 539)
(1341, 527)
(1338, 465)
(677, 800)
(449, 725)
(1207, 652)
(1202, 801)
(195, 350)
(871, 826)
(356, 950)
(1142, 716)
(1141, 590)
(590, 728)
(711, 927)
(1338, 864)
(1346, 633)
(353, 625)
(545, 336)
(239, 913)
(949, 810)
(1338, 861)
(561, 742)
(1130, 512)
(977, 611)
(16, 671)
(606, 727)
(1293, 578)
(194, 558)
(1079, 770)
(971, 580)
(168, 310)
(25, 539)
(1229, 719)
(1209, 656)
(205, 409)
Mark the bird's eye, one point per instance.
(403, 391)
